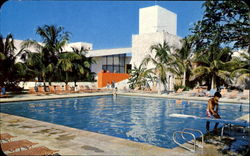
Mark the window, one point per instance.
(114, 63)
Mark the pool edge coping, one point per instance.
(181, 97)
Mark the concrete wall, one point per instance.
(157, 19)
(141, 44)
(147, 20)
(166, 21)
(97, 67)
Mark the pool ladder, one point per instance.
(194, 142)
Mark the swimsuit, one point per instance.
(208, 113)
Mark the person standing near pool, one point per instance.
(112, 84)
(212, 110)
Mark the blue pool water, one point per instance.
(141, 119)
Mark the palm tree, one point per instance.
(9, 69)
(83, 65)
(212, 66)
(160, 60)
(242, 71)
(53, 41)
(181, 61)
(65, 64)
(140, 76)
(36, 67)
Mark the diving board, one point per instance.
(234, 122)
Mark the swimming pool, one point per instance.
(141, 119)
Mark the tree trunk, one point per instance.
(213, 84)
(66, 79)
(44, 84)
(184, 79)
(159, 85)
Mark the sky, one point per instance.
(105, 24)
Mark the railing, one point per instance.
(223, 128)
(194, 142)
(195, 130)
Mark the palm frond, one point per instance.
(2, 56)
(31, 43)
(243, 77)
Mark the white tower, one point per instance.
(156, 25)
(157, 19)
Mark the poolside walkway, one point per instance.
(32, 97)
(29, 97)
(185, 97)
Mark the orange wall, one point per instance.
(104, 78)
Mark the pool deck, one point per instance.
(31, 97)
(71, 141)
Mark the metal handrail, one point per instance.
(181, 132)
(195, 130)
(223, 128)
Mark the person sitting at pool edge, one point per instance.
(212, 110)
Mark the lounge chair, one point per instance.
(36, 151)
(41, 90)
(136, 90)
(4, 95)
(245, 94)
(59, 90)
(13, 145)
(211, 92)
(233, 94)
(32, 90)
(147, 89)
(68, 89)
(89, 90)
(202, 91)
(193, 92)
(224, 92)
(6, 137)
(85, 89)
(125, 89)
(95, 89)
(52, 89)
(179, 90)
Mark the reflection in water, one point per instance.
(114, 98)
(146, 122)
(178, 101)
(136, 118)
